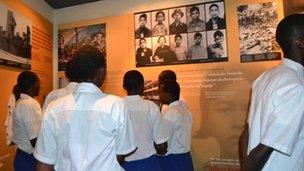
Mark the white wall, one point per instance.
(42, 8)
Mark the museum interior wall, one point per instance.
(217, 92)
(41, 63)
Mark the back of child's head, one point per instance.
(172, 88)
(166, 75)
(69, 74)
(133, 80)
(85, 63)
(25, 81)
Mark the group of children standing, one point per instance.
(82, 128)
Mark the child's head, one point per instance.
(142, 42)
(218, 37)
(177, 15)
(89, 65)
(165, 76)
(143, 19)
(194, 12)
(214, 10)
(160, 17)
(178, 39)
(169, 92)
(133, 82)
(161, 40)
(198, 38)
(28, 83)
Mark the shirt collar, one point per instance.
(175, 103)
(295, 66)
(132, 97)
(71, 85)
(25, 96)
(87, 87)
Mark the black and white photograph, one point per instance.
(162, 52)
(215, 16)
(179, 46)
(257, 27)
(177, 21)
(178, 35)
(196, 18)
(69, 40)
(217, 47)
(160, 23)
(197, 46)
(143, 25)
(143, 51)
(15, 38)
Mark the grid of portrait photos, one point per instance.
(181, 35)
(71, 39)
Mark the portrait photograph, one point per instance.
(160, 23)
(177, 19)
(215, 16)
(196, 18)
(142, 25)
(197, 48)
(216, 41)
(143, 51)
(162, 52)
(179, 45)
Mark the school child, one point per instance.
(179, 123)
(26, 120)
(147, 123)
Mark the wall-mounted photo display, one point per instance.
(257, 26)
(15, 39)
(71, 39)
(188, 34)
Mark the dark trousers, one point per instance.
(24, 161)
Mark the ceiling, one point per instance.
(56, 4)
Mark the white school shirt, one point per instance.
(26, 122)
(179, 120)
(276, 116)
(9, 119)
(84, 131)
(148, 126)
(56, 94)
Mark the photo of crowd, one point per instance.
(69, 40)
(15, 39)
(257, 26)
(181, 35)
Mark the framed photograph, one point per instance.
(179, 46)
(177, 20)
(15, 39)
(160, 23)
(197, 46)
(217, 48)
(196, 18)
(144, 52)
(142, 25)
(215, 16)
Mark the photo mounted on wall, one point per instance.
(257, 26)
(69, 40)
(15, 38)
(178, 35)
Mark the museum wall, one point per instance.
(216, 92)
(41, 56)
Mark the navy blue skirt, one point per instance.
(24, 161)
(176, 162)
(148, 164)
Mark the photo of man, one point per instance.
(197, 49)
(179, 46)
(196, 18)
(143, 52)
(216, 47)
(216, 16)
(177, 26)
(142, 30)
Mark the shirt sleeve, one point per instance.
(32, 120)
(286, 121)
(169, 122)
(160, 134)
(125, 142)
(46, 147)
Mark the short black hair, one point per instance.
(198, 34)
(69, 74)
(161, 37)
(133, 80)
(178, 35)
(142, 39)
(213, 5)
(143, 16)
(173, 88)
(166, 75)
(194, 8)
(159, 12)
(26, 80)
(85, 63)
(288, 29)
(218, 33)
